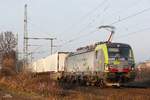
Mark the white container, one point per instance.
(52, 63)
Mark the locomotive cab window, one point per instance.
(121, 52)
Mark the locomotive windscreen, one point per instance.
(123, 52)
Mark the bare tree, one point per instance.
(7, 51)
(7, 42)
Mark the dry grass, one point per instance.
(42, 86)
(33, 85)
(27, 83)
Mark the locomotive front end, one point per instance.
(120, 67)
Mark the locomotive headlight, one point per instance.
(132, 66)
(110, 65)
(107, 67)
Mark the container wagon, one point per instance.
(52, 65)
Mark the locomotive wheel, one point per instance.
(101, 83)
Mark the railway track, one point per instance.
(111, 93)
(122, 86)
(137, 84)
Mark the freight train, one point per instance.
(101, 64)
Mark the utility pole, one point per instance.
(25, 49)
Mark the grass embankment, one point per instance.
(37, 87)
(26, 84)
(29, 85)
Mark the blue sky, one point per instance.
(68, 19)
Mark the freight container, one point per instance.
(52, 63)
(38, 66)
(55, 62)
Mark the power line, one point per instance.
(76, 38)
(115, 12)
(33, 45)
(130, 16)
(82, 35)
(132, 33)
(35, 52)
(82, 18)
(51, 40)
(123, 36)
(36, 49)
(125, 18)
(115, 22)
(83, 29)
(86, 15)
(37, 27)
(120, 11)
(126, 9)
